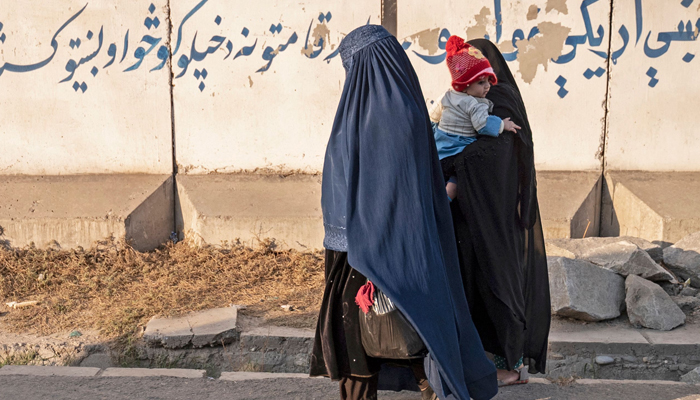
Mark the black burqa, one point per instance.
(384, 203)
(499, 233)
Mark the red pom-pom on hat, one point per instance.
(454, 44)
(466, 64)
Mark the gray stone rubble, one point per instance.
(649, 306)
(626, 258)
(687, 304)
(692, 376)
(573, 281)
(666, 288)
(683, 259)
(581, 246)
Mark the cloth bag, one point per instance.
(384, 330)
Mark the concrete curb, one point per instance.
(150, 372)
(37, 370)
(33, 370)
(249, 376)
(629, 382)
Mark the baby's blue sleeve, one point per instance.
(493, 127)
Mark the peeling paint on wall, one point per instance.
(559, 5)
(506, 46)
(540, 49)
(427, 39)
(321, 37)
(482, 22)
(532, 12)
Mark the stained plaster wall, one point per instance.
(255, 85)
(64, 109)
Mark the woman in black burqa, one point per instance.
(499, 235)
(387, 219)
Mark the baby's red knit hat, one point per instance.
(467, 64)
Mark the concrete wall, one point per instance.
(273, 108)
(653, 88)
(65, 107)
(255, 85)
(567, 124)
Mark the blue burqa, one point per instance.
(384, 203)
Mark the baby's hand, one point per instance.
(451, 189)
(509, 125)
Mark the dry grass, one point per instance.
(116, 289)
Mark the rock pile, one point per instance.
(595, 279)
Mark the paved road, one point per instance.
(161, 388)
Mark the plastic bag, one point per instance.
(386, 333)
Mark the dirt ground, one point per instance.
(114, 290)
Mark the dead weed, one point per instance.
(116, 289)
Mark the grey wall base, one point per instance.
(569, 203)
(656, 206)
(78, 210)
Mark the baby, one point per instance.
(462, 112)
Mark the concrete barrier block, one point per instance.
(214, 327)
(227, 207)
(171, 333)
(217, 208)
(569, 203)
(656, 206)
(77, 210)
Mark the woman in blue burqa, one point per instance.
(387, 219)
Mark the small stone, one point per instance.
(631, 359)
(626, 258)
(580, 246)
(556, 251)
(673, 289)
(692, 376)
(556, 356)
(604, 360)
(645, 359)
(686, 303)
(649, 306)
(689, 291)
(288, 307)
(683, 258)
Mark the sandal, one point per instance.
(523, 378)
